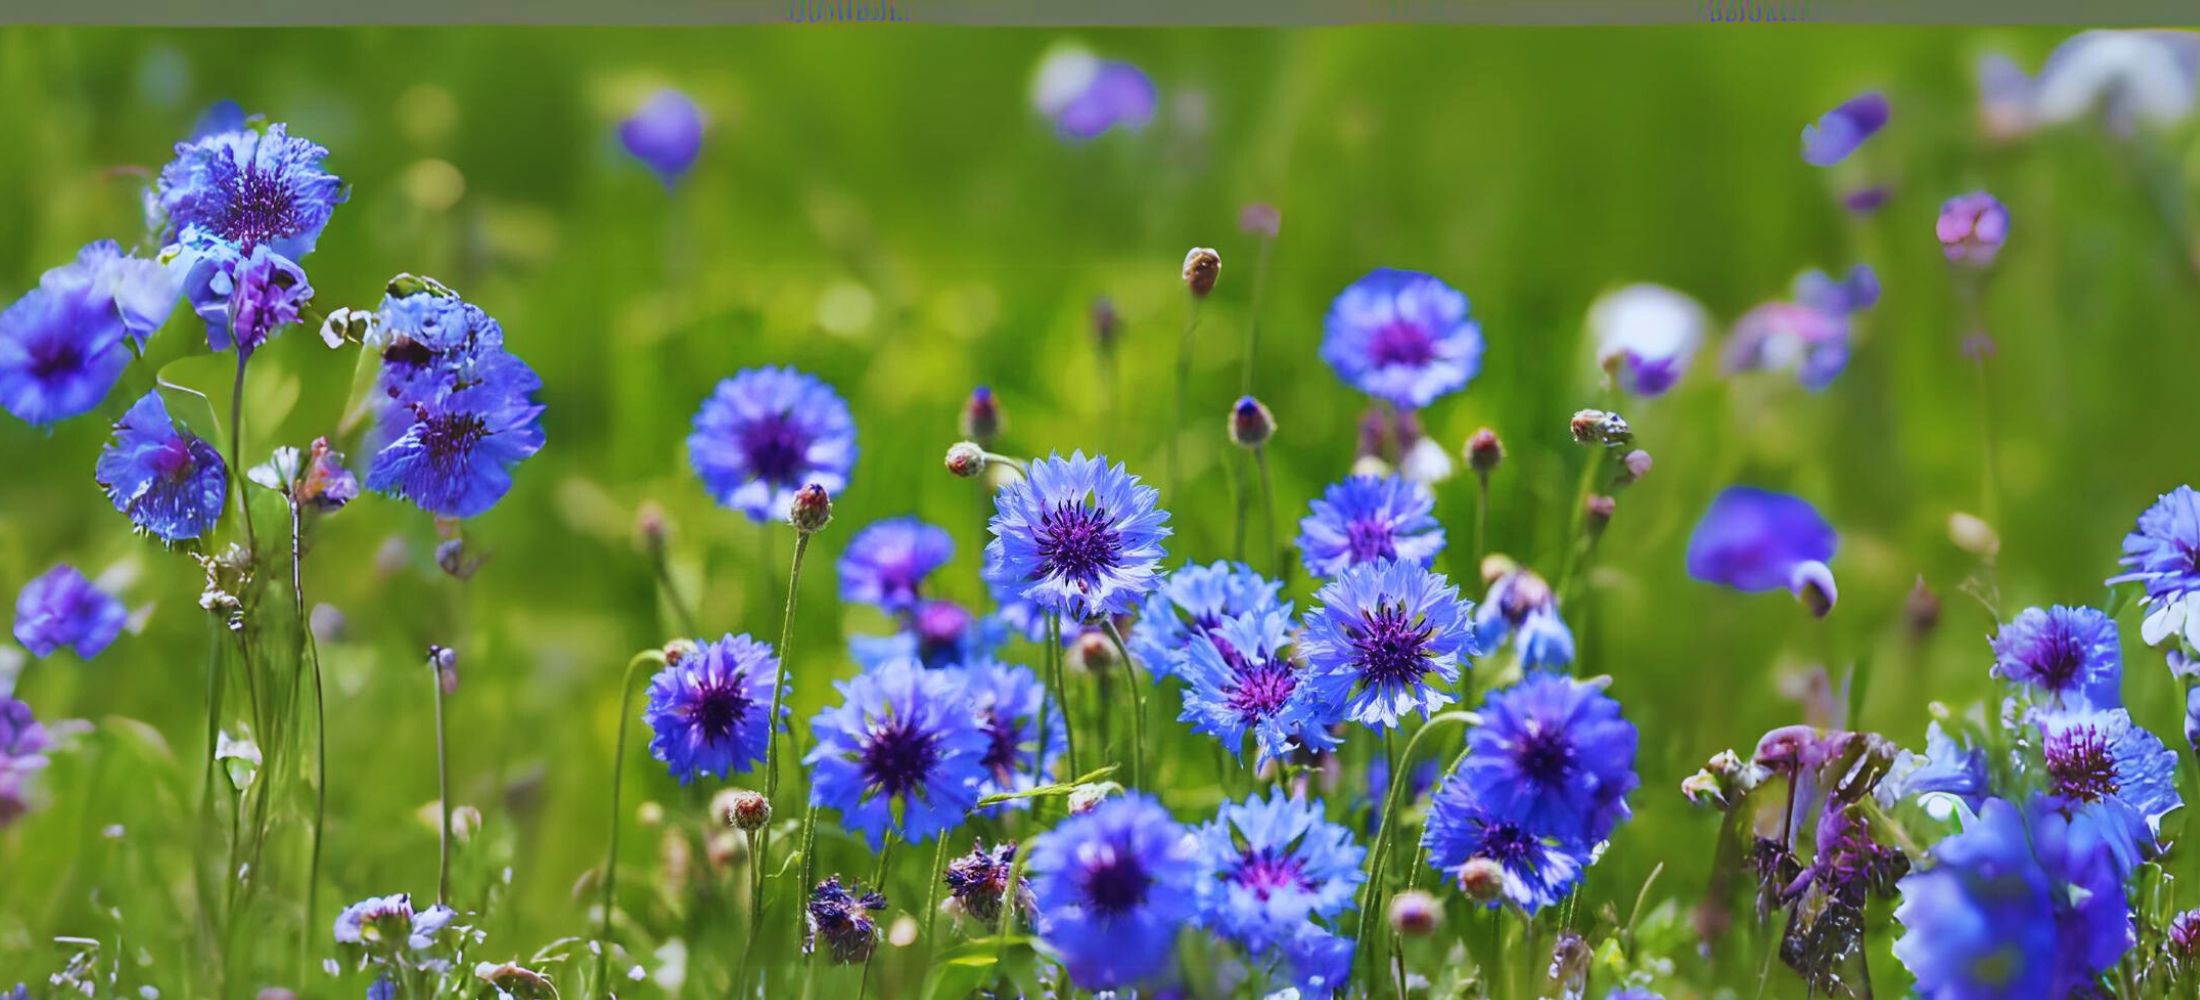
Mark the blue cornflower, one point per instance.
(1079, 538)
(1946, 767)
(377, 925)
(1555, 754)
(224, 115)
(2160, 554)
(1320, 961)
(665, 132)
(2069, 654)
(1521, 605)
(1276, 864)
(247, 188)
(1402, 336)
(169, 481)
(62, 608)
(1809, 334)
(1647, 335)
(1191, 603)
(2017, 905)
(1537, 867)
(64, 343)
(938, 633)
(1085, 96)
(252, 298)
(1754, 540)
(709, 709)
(842, 917)
(886, 563)
(1239, 679)
(767, 432)
(2101, 756)
(902, 753)
(23, 745)
(1114, 886)
(1367, 519)
(458, 410)
(1838, 132)
(1009, 701)
(1387, 640)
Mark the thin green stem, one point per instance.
(1061, 688)
(1252, 314)
(645, 658)
(1183, 388)
(779, 693)
(878, 885)
(1481, 516)
(312, 649)
(673, 597)
(443, 786)
(1268, 506)
(1372, 900)
(1138, 704)
(236, 455)
(933, 881)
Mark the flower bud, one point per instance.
(649, 527)
(680, 649)
(966, 459)
(1201, 267)
(1972, 228)
(465, 822)
(1251, 425)
(1597, 512)
(981, 417)
(452, 558)
(650, 814)
(1633, 467)
(1495, 566)
(444, 661)
(1482, 879)
(1414, 913)
(1106, 323)
(1973, 535)
(1484, 451)
(1094, 651)
(741, 809)
(812, 509)
(1812, 583)
(1085, 798)
(725, 849)
(1261, 219)
(1601, 427)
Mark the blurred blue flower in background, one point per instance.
(1839, 132)
(765, 433)
(1754, 540)
(1402, 337)
(1085, 95)
(62, 608)
(665, 133)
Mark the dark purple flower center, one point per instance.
(172, 461)
(1507, 845)
(2056, 658)
(1004, 743)
(1392, 647)
(2080, 763)
(54, 358)
(1401, 343)
(261, 208)
(450, 437)
(717, 708)
(1545, 754)
(1260, 689)
(1077, 542)
(940, 627)
(1115, 883)
(1369, 539)
(777, 450)
(899, 756)
(1267, 873)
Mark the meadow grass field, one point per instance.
(910, 214)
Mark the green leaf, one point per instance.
(1055, 790)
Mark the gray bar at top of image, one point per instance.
(1094, 13)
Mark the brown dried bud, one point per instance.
(966, 459)
(1482, 879)
(741, 809)
(1106, 323)
(1414, 913)
(1484, 451)
(680, 649)
(1251, 425)
(1921, 609)
(1201, 267)
(812, 509)
(1601, 427)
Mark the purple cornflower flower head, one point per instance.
(1537, 868)
(2019, 904)
(324, 484)
(665, 133)
(1809, 334)
(1239, 679)
(169, 481)
(1947, 767)
(248, 188)
(1868, 199)
(1555, 754)
(937, 633)
(1079, 538)
(2128, 77)
(262, 293)
(2070, 655)
(1009, 702)
(1646, 335)
(1402, 336)
(1521, 605)
(62, 608)
(2101, 756)
(1320, 960)
(2004, 98)
(1838, 132)
(708, 711)
(1370, 519)
(64, 343)
(979, 881)
(2184, 935)
(886, 563)
(1847, 295)
(1276, 864)
(1114, 885)
(23, 745)
(458, 410)
(902, 752)
(2163, 555)
(1189, 605)
(1387, 640)
(1756, 540)
(377, 925)
(842, 917)
(1972, 228)
(764, 433)
(1085, 96)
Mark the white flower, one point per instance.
(2147, 76)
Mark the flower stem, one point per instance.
(1252, 310)
(878, 885)
(679, 604)
(1377, 860)
(443, 788)
(771, 751)
(1061, 688)
(312, 649)
(1183, 387)
(933, 881)
(1138, 704)
(645, 658)
(1268, 507)
(1481, 516)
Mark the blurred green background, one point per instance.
(884, 209)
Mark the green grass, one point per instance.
(881, 208)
